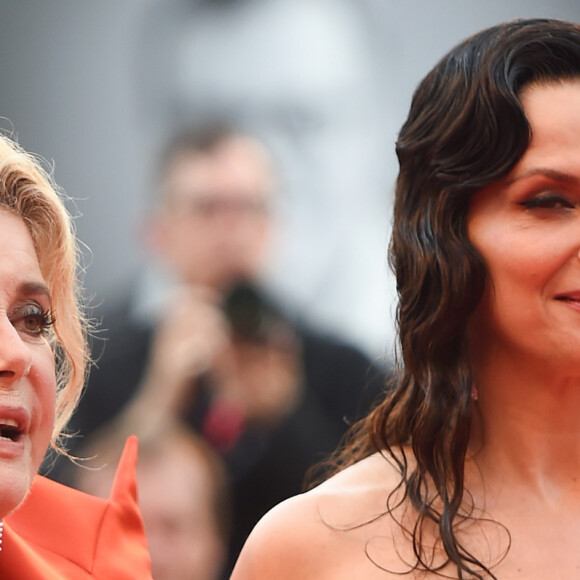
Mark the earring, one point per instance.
(1, 532)
(474, 394)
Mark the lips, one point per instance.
(14, 423)
(570, 299)
(572, 296)
(10, 430)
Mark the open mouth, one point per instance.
(9, 430)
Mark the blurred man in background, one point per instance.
(270, 395)
(183, 496)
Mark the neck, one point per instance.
(526, 430)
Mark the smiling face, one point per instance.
(27, 367)
(527, 229)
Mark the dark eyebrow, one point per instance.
(546, 172)
(34, 289)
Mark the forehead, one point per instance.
(236, 165)
(18, 260)
(183, 474)
(14, 234)
(553, 111)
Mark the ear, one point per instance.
(153, 234)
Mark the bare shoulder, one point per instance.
(281, 545)
(322, 533)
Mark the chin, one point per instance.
(14, 486)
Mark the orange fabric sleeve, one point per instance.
(62, 533)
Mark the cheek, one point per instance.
(262, 238)
(513, 261)
(43, 380)
(520, 274)
(512, 304)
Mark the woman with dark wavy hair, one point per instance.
(470, 467)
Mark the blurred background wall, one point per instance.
(95, 87)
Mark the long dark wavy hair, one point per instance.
(466, 129)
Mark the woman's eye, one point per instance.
(550, 201)
(33, 320)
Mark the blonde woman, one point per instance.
(49, 531)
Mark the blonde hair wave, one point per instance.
(28, 191)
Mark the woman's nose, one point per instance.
(15, 355)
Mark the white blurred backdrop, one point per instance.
(95, 87)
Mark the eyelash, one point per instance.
(43, 319)
(548, 201)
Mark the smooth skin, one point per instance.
(523, 469)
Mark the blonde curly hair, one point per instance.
(28, 191)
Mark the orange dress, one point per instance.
(59, 533)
